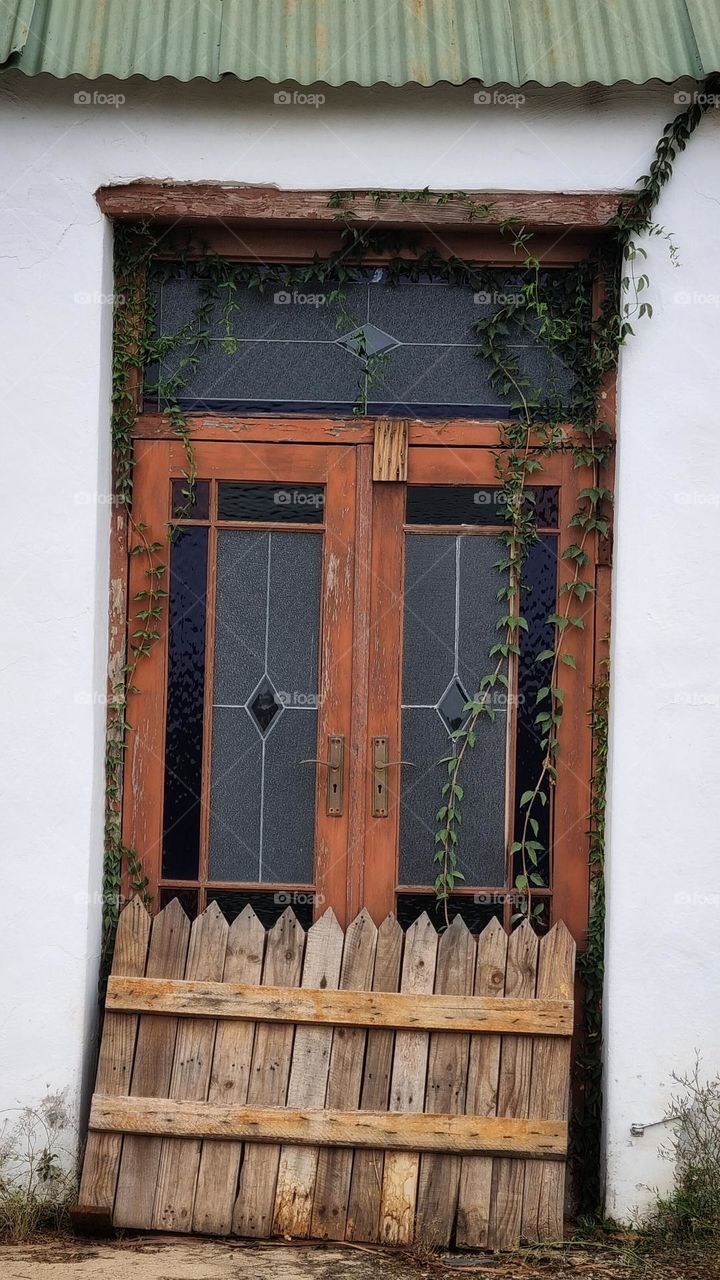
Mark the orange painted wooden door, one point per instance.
(324, 635)
(238, 765)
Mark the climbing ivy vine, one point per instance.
(560, 317)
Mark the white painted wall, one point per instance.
(663, 938)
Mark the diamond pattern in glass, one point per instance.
(452, 705)
(368, 340)
(264, 705)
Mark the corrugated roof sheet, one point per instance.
(14, 26)
(367, 41)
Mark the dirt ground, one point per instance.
(170, 1258)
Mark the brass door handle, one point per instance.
(380, 766)
(334, 766)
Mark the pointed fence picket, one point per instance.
(365, 1085)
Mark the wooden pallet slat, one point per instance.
(482, 1090)
(440, 1011)
(445, 1091)
(140, 1160)
(114, 1070)
(269, 1075)
(334, 1168)
(513, 1093)
(309, 1127)
(308, 1081)
(229, 1079)
(363, 1212)
(190, 1079)
(407, 1090)
(544, 1193)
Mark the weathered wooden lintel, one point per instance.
(206, 201)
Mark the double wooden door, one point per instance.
(322, 635)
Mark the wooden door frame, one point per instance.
(242, 223)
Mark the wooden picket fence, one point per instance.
(366, 1086)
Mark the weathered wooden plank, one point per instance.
(268, 1083)
(445, 1090)
(513, 1093)
(171, 201)
(220, 1161)
(332, 1181)
(310, 1127)
(190, 1079)
(363, 1009)
(482, 1088)
(308, 1081)
(407, 1092)
(151, 1071)
(544, 1194)
(363, 1213)
(114, 1070)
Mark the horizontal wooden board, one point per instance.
(290, 429)
(392, 1130)
(169, 201)
(340, 1008)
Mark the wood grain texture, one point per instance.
(513, 1093)
(308, 1082)
(349, 1132)
(440, 1012)
(445, 1090)
(390, 450)
(334, 1166)
(114, 1070)
(170, 201)
(482, 1088)
(305, 1127)
(229, 1079)
(290, 429)
(269, 1075)
(407, 1091)
(151, 1071)
(544, 1194)
(190, 1078)
(363, 1213)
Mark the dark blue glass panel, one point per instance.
(477, 910)
(272, 503)
(268, 906)
(468, 504)
(188, 899)
(183, 508)
(185, 696)
(538, 602)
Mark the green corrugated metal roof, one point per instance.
(14, 26)
(366, 41)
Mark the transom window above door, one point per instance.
(284, 341)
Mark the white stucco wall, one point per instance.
(663, 996)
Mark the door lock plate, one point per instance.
(380, 777)
(334, 802)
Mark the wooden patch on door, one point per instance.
(366, 1085)
(390, 449)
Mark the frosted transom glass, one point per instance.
(304, 349)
